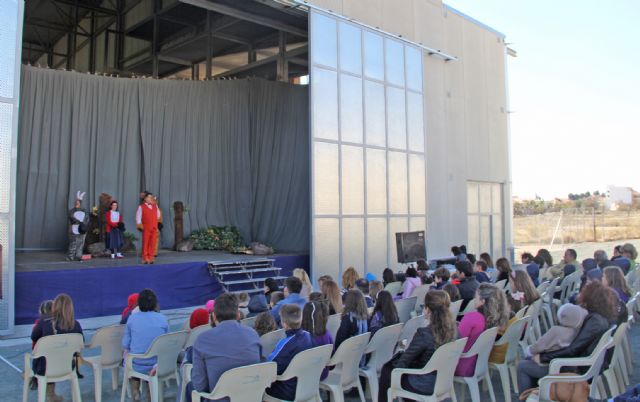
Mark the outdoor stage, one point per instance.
(100, 286)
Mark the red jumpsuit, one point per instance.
(149, 221)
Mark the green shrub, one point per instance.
(217, 238)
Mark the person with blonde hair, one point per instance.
(61, 321)
(331, 293)
(349, 278)
(523, 293)
(614, 278)
(307, 288)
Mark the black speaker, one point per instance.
(411, 246)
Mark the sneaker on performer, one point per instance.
(113, 256)
(119, 255)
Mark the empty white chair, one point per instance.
(195, 333)
(511, 338)
(411, 326)
(469, 308)
(419, 293)
(394, 288)
(454, 308)
(242, 384)
(481, 348)
(307, 367)
(444, 361)
(345, 374)
(405, 307)
(270, 340)
(166, 349)
(249, 321)
(58, 351)
(333, 324)
(109, 340)
(380, 347)
(533, 327)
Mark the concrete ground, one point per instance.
(13, 350)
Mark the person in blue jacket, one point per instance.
(292, 288)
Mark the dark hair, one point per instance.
(226, 307)
(355, 304)
(482, 265)
(455, 250)
(596, 298)
(422, 265)
(314, 317)
(487, 259)
(572, 252)
(411, 272)
(527, 256)
(442, 273)
(452, 291)
(463, 249)
(388, 276)
(538, 261)
(618, 248)
(363, 285)
(275, 297)
(147, 300)
(272, 284)
(465, 268)
(386, 306)
(264, 323)
(45, 308)
(111, 203)
(316, 296)
(546, 256)
(503, 266)
(471, 258)
(293, 284)
(443, 325)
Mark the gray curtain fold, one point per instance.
(235, 152)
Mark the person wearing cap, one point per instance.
(78, 219)
(147, 217)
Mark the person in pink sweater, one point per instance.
(491, 305)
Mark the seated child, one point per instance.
(264, 323)
(296, 341)
(559, 336)
(315, 315)
(243, 304)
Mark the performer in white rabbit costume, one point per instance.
(78, 220)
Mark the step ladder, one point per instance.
(245, 276)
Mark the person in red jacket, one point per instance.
(147, 221)
(114, 230)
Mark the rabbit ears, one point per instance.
(80, 195)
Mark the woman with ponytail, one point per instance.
(441, 330)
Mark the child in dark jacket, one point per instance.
(296, 341)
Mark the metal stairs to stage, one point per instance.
(245, 276)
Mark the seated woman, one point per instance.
(599, 301)
(504, 269)
(354, 317)
(332, 295)
(388, 277)
(523, 292)
(441, 330)
(613, 278)
(410, 283)
(384, 312)
(491, 305)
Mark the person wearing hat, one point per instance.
(147, 217)
(78, 220)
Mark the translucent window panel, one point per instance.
(414, 67)
(326, 247)
(396, 225)
(376, 245)
(396, 119)
(352, 180)
(374, 112)
(350, 108)
(398, 183)
(485, 198)
(326, 195)
(472, 198)
(485, 235)
(417, 185)
(350, 48)
(8, 31)
(394, 61)
(496, 198)
(473, 233)
(6, 125)
(324, 40)
(496, 228)
(324, 89)
(353, 244)
(417, 223)
(415, 121)
(373, 56)
(376, 181)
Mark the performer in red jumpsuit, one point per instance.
(147, 220)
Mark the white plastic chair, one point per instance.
(410, 327)
(469, 308)
(185, 375)
(307, 367)
(548, 305)
(242, 384)
(501, 284)
(405, 307)
(616, 375)
(444, 361)
(270, 340)
(454, 308)
(533, 330)
(109, 340)
(333, 324)
(394, 288)
(345, 374)
(195, 333)
(511, 338)
(249, 322)
(380, 347)
(58, 351)
(481, 348)
(419, 294)
(166, 349)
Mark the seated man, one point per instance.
(292, 288)
(480, 269)
(296, 341)
(570, 258)
(226, 346)
(468, 284)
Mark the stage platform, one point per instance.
(100, 286)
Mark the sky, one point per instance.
(574, 91)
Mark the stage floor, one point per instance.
(56, 260)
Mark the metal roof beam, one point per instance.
(89, 7)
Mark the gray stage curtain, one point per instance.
(235, 152)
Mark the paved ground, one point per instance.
(13, 350)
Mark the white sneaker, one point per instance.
(113, 256)
(119, 255)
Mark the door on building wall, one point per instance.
(485, 219)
